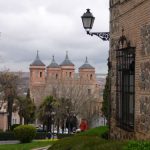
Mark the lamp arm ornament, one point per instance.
(103, 35)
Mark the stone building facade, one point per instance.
(130, 69)
(61, 81)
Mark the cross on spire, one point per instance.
(67, 55)
(53, 59)
(86, 60)
(37, 56)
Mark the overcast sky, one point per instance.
(52, 27)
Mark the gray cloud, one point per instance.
(53, 27)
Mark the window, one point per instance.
(91, 77)
(56, 76)
(40, 74)
(89, 91)
(70, 74)
(125, 87)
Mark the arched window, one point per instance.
(56, 76)
(70, 74)
(91, 77)
(40, 74)
(89, 91)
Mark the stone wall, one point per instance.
(134, 17)
(144, 76)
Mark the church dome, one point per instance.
(67, 62)
(86, 65)
(53, 64)
(37, 61)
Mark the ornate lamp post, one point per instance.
(88, 21)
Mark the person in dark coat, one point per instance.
(49, 135)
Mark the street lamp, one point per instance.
(88, 21)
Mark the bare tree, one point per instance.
(75, 98)
(8, 86)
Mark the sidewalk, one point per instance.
(9, 142)
(42, 148)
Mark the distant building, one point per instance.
(4, 117)
(46, 81)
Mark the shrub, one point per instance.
(86, 143)
(25, 133)
(14, 126)
(98, 131)
(105, 135)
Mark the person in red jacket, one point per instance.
(83, 125)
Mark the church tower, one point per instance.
(87, 72)
(53, 71)
(67, 69)
(37, 72)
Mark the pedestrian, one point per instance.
(49, 135)
(83, 125)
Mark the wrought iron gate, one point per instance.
(125, 87)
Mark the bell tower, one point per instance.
(37, 72)
(53, 71)
(67, 69)
(87, 72)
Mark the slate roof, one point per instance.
(86, 65)
(37, 61)
(67, 62)
(53, 64)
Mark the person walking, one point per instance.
(83, 125)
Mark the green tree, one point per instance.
(46, 110)
(105, 104)
(26, 108)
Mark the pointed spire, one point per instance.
(53, 59)
(53, 63)
(67, 62)
(37, 56)
(86, 60)
(86, 65)
(67, 55)
(37, 61)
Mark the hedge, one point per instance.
(5, 136)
